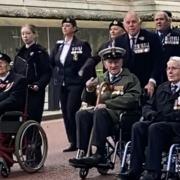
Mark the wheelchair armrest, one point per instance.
(135, 114)
(10, 121)
(12, 113)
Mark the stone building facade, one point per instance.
(93, 17)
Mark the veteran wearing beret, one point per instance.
(67, 58)
(12, 98)
(120, 91)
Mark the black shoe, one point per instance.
(77, 162)
(94, 160)
(130, 175)
(71, 148)
(150, 175)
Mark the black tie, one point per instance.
(173, 88)
(133, 42)
(113, 78)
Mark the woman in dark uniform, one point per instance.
(67, 58)
(32, 61)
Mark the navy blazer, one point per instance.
(13, 93)
(78, 54)
(171, 47)
(162, 103)
(146, 60)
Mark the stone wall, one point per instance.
(86, 9)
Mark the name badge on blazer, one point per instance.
(118, 90)
(172, 40)
(76, 51)
(141, 48)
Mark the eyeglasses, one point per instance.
(172, 68)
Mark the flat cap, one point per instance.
(5, 57)
(69, 20)
(112, 53)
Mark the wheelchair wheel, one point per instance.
(31, 146)
(83, 172)
(102, 171)
(4, 171)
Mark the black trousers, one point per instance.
(157, 137)
(100, 121)
(70, 98)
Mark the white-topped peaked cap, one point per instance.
(112, 53)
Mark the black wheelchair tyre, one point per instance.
(30, 140)
(83, 172)
(4, 171)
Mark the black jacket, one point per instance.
(171, 47)
(78, 54)
(34, 64)
(12, 93)
(161, 105)
(146, 61)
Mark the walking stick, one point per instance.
(103, 86)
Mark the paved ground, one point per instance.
(57, 167)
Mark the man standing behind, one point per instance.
(170, 38)
(144, 52)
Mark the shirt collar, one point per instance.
(135, 37)
(177, 84)
(2, 78)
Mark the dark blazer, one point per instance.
(12, 93)
(78, 54)
(171, 47)
(146, 61)
(161, 105)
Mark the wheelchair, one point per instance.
(28, 140)
(170, 161)
(114, 145)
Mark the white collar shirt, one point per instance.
(2, 78)
(64, 52)
(176, 84)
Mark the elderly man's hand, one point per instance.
(100, 106)
(91, 84)
(150, 87)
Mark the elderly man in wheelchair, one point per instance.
(161, 124)
(12, 98)
(120, 91)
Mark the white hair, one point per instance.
(175, 58)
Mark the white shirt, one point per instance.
(2, 78)
(65, 50)
(177, 84)
(133, 37)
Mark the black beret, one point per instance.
(5, 57)
(112, 53)
(116, 22)
(69, 20)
